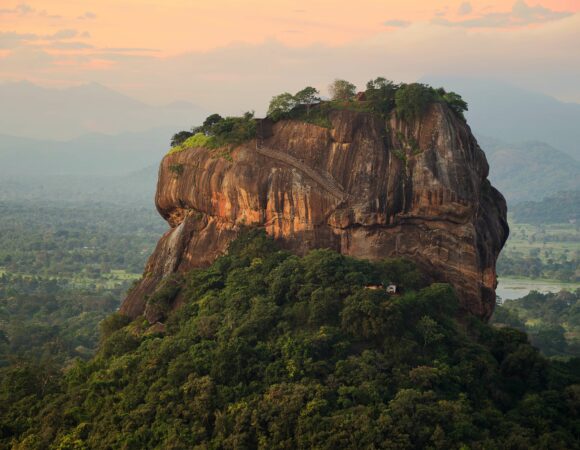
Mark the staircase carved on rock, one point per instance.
(322, 178)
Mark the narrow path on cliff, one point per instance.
(323, 179)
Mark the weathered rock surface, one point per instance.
(418, 190)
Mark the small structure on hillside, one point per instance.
(391, 288)
(263, 130)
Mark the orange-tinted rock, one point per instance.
(418, 190)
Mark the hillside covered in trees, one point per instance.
(562, 207)
(551, 320)
(272, 350)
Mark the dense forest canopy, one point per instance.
(63, 269)
(48, 239)
(551, 320)
(45, 321)
(272, 350)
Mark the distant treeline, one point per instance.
(551, 320)
(43, 321)
(562, 207)
(533, 267)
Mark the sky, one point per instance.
(233, 55)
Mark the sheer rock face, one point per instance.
(418, 190)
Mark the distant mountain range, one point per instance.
(59, 125)
(529, 170)
(62, 114)
(513, 114)
(93, 154)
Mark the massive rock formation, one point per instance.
(366, 188)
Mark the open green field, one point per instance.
(546, 253)
(553, 241)
(509, 288)
(107, 281)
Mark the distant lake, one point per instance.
(512, 288)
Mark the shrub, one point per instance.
(380, 93)
(454, 101)
(210, 121)
(119, 343)
(160, 302)
(180, 138)
(111, 324)
(176, 169)
(217, 132)
(307, 97)
(197, 140)
(281, 105)
(232, 130)
(342, 90)
(411, 100)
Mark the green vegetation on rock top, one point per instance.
(216, 132)
(197, 140)
(380, 97)
(271, 350)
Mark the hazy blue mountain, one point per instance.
(529, 170)
(561, 207)
(62, 114)
(93, 154)
(513, 114)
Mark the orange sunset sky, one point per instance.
(176, 49)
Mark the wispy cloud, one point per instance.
(24, 9)
(521, 14)
(465, 8)
(63, 34)
(198, 76)
(69, 45)
(46, 15)
(130, 49)
(396, 23)
(11, 40)
(87, 16)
